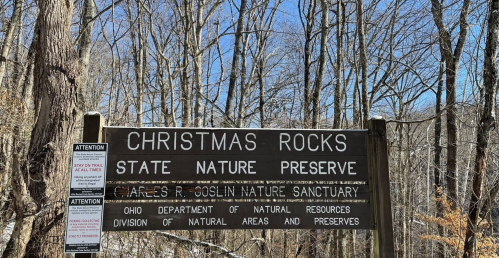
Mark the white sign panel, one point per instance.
(84, 225)
(88, 169)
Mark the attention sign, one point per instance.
(88, 169)
(83, 225)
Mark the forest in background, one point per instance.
(429, 67)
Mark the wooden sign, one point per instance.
(174, 154)
(325, 162)
(236, 215)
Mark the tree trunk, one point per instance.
(234, 72)
(184, 80)
(24, 206)
(363, 61)
(308, 26)
(138, 51)
(198, 64)
(487, 123)
(15, 21)
(338, 92)
(452, 58)
(436, 159)
(363, 94)
(84, 48)
(57, 75)
(261, 96)
(319, 77)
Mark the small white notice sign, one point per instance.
(88, 169)
(84, 224)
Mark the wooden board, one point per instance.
(175, 154)
(189, 191)
(236, 215)
(204, 141)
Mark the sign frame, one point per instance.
(378, 180)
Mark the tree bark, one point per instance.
(57, 76)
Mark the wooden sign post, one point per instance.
(92, 133)
(380, 185)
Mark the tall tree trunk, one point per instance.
(308, 27)
(26, 79)
(84, 48)
(363, 61)
(139, 55)
(234, 72)
(24, 206)
(319, 77)
(338, 92)
(364, 102)
(184, 80)
(452, 59)
(57, 76)
(198, 63)
(261, 96)
(438, 153)
(244, 86)
(15, 21)
(487, 123)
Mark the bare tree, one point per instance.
(452, 57)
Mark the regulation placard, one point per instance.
(236, 215)
(176, 154)
(84, 224)
(88, 169)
